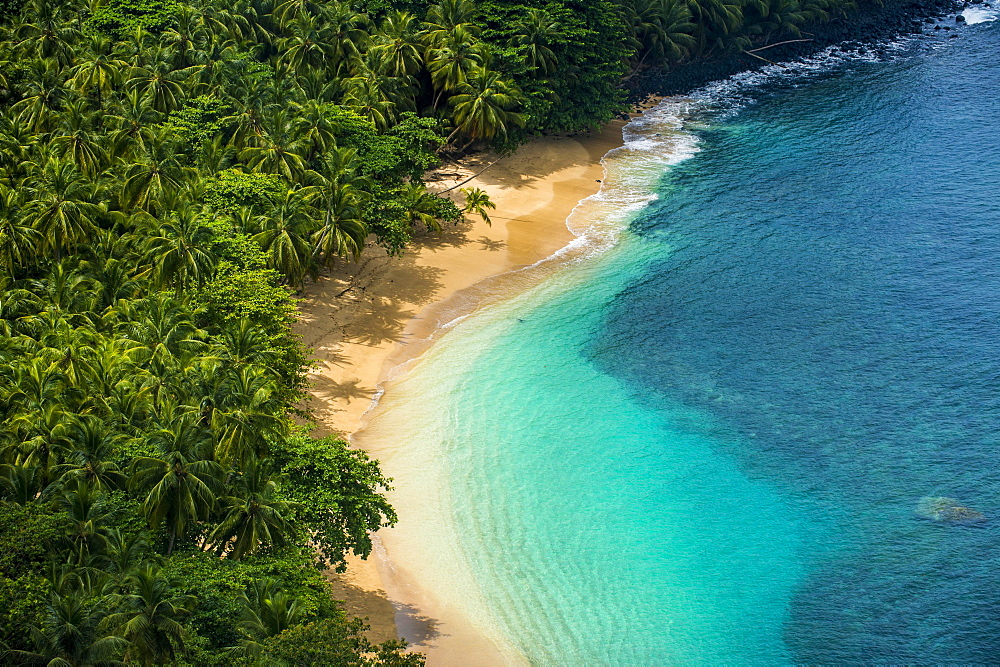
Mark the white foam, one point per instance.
(980, 14)
(726, 97)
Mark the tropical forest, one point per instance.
(172, 174)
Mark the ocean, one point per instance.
(756, 418)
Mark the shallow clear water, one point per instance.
(708, 443)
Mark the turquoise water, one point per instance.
(707, 444)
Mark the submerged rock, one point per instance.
(947, 510)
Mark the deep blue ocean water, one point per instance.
(832, 300)
(708, 444)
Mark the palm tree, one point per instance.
(342, 232)
(419, 205)
(399, 41)
(777, 17)
(307, 47)
(290, 11)
(181, 481)
(442, 19)
(162, 326)
(72, 633)
(663, 29)
(21, 483)
(314, 127)
(346, 32)
(716, 22)
(41, 94)
(149, 618)
(367, 97)
(484, 107)
(160, 83)
(456, 55)
(99, 75)
(255, 516)
(19, 241)
(85, 516)
(155, 176)
(267, 610)
(92, 448)
(132, 121)
(179, 252)
(43, 441)
(47, 34)
(285, 236)
(534, 38)
(275, 151)
(60, 206)
(247, 415)
(124, 550)
(477, 201)
(189, 30)
(82, 148)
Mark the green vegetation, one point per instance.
(170, 171)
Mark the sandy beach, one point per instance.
(364, 319)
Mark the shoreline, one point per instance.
(373, 315)
(530, 226)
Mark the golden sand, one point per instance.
(361, 320)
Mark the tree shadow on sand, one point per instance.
(326, 389)
(491, 245)
(381, 322)
(415, 627)
(421, 286)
